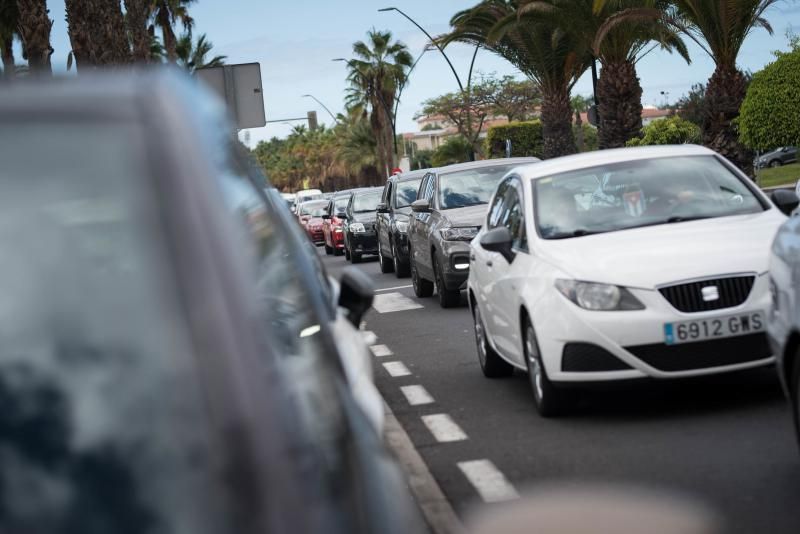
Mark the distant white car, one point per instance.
(622, 264)
(308, 194)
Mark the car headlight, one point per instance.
(598, 297)
(401, 226)
(464, 233)
(357, 228)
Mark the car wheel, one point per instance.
(386, 267)
(346, 253)
(400, 268)
(328, 250)
(492, 365)
(422, 288)
(550, 401)
(775, 163)
(355, 257)
(448, 298)
(337, 251)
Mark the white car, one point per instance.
(622, 264)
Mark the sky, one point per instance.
(295, 41)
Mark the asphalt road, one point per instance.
(726, 442)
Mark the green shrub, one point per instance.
(455, 150)
(770, 114)
(669, 131)
(526, 139)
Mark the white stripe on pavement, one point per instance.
(490, 483)
(393, 302)
(392, 288)
(396, 369)
(443, 428)
(416, 395)
(380, 350)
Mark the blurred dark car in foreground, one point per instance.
(169, 360)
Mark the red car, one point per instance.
(333, 223)
(310, 215)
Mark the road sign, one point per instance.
(240, 86)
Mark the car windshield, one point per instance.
(364, 202)
(633, 194)
(406, 193)
(470, 187)
(315, 209)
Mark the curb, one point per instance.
(438, 513)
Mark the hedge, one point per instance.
(770, 114)
(669, 131)
(526, 139)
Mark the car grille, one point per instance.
(587, 357)
(688, 298)
(703, 354)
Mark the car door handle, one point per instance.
(489, 263)
(472, 257)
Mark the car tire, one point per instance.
(492, 365)
(355, 257)
(550, 400)
(386, 267)
(400, 268)
(448, 298)
(422, 288)
(347, 253)
(328, 250)
(775, 163)
(338, 251)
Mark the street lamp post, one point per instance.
(335, 120)
(452, 68)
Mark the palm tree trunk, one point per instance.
(377, 130)
(7, 51)
(724, 96)
(170, 41)
(110, 35)
(557, 122)
(578, 130)
(34, 30)
(620, 109)
(80, 33)
(136, 15)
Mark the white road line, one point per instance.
(396, 369)
(393, 302)
(491, 484)
(392, 288)
(380, 350)
(443, 428)
(416, 395)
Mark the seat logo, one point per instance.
(710, 293)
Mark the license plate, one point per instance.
(714, 328)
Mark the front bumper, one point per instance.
(363, 242)
(572, 339)
(454, 261)
(316, 235)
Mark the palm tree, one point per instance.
(379, 68)
(579, 105)
(165, 13)
(9, 16)
(34, 31)
(549, 56)
(192, 56)
(618, 33)
(720, 28)
(136, 14)
(97, 33)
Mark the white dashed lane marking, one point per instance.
(416, 395)
(380, 350)
(443, 428)
(396, 369)
(392, 288)
(394, 302)
(490, 483)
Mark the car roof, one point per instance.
(319, 201)
(486, 163)
(605, 157)
(363, 190)
(411, 175)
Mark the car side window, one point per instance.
(512, 216)
(386, 198)
(496, 209)
(423, 185)
(430, 187)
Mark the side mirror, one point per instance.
(326, 216)
(341, 215)
(355, 294)
(421, 206)
(499, 240)
(382, 208)
(785, 200)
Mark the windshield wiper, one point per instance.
(677, 218)
(580, 232)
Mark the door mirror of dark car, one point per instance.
(355, 294)
(326, 216)
(785, 199)
(421, 206)
(382, 208)
(341, 215)
(499, 240)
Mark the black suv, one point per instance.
(359, 234)
(394, 212)
(450, 208)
